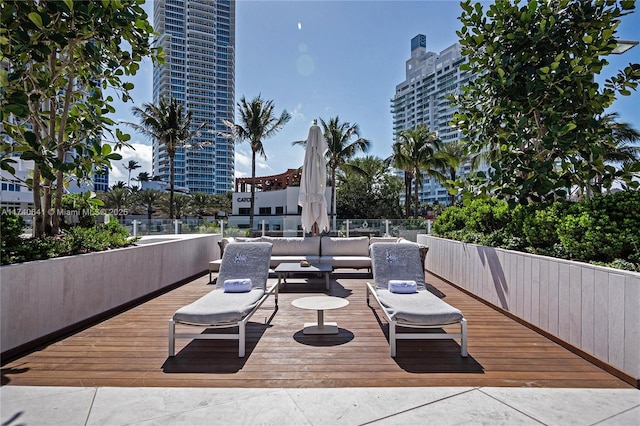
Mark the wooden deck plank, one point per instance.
(130, 349)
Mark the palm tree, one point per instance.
(257, 122)
(623, 151)
(149, 198)
(143, 177)
(400, 160)
(132, 165)
(168, 123)
(181, 203)
(421, 148)
(200, 204)
(117, 199)
(341, 149)
(455, 154)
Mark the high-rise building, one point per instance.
(198, 38)
(423, 99)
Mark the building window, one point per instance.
(244, 210)
(280, 210)
(265, 210)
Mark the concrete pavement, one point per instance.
(33, 405)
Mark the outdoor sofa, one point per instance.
(339, 252)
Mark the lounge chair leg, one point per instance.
(463, 339)
(172, 338)
(241, 337)
(392, 338)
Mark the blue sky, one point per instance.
(319, 59)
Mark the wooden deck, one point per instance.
(130, 349)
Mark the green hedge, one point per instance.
(74, 240)
(604, 230)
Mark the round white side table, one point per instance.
(320, 304)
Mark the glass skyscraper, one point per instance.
(198, 38)
(422, 99)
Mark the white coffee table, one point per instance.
(320, 304)
(284, 269)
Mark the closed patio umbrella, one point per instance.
(313, 184)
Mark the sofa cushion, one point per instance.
(276, 260)
(247, 239)
(352, 246)
(294, 246)
(224, 243)
(355, 262)
(383, 240)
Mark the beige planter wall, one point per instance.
(42, 297)
(596, 309)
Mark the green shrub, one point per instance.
(450, 220)
(74, 240)
(540, 224)
(589, 237)
(605, 229)
(487, 215)
(620, 264)
(11, 229)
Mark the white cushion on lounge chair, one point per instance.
(422, 307)
(219, 307)
(403, 286)
(240, 285)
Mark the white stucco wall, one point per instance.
(596, 309)
(39, 298)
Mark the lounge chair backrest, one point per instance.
(245, 260)
(393, 261)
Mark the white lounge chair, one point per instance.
(419, 309)
(223, 309)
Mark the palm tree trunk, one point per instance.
(172, 177)
(407, 195)
(452, 173)
(416, 198)
(253, 189)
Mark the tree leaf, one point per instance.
(35, 18)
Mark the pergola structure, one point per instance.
(270, 183)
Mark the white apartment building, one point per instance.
(277, 209)
(198, 38)
(422, 99)
(15, 195)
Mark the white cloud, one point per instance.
(297, 113)
(142, 153)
